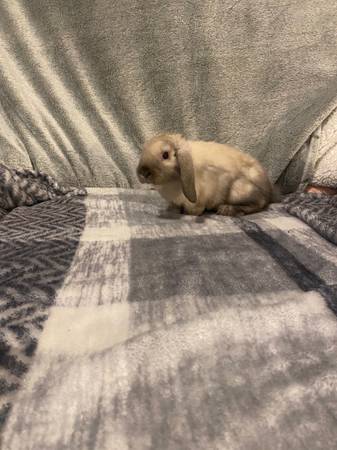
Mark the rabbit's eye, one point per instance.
(165, 155)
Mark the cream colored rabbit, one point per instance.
(199, 176)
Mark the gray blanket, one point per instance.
(317, 210)
(27, 187)
(83, 83)
(124, 326)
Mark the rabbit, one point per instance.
(199, 176)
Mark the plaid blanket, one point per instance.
(124, 326)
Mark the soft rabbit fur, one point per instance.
(200, 176)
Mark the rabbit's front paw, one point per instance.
(193, 210)
(229, 210)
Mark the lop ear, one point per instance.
(185, 163)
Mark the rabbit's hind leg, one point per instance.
(246, 198)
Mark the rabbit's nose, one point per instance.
(144, 174)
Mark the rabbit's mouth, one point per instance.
(155, 176)
(144, 175)
(143, 179)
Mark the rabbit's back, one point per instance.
(221, 156)
(222, 171)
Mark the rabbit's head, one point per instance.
(166, 158)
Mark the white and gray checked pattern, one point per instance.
(176, 332)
